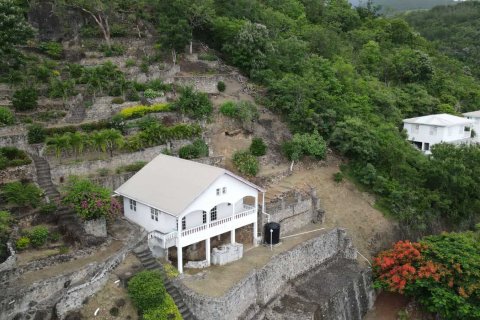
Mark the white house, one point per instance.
(181, 202)
(475, 117)
(429, 130)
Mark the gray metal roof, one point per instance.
(441, 120)
(171, 184)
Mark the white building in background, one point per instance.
(181, 202)
(475, 116)
(426, 131)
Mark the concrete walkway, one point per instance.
(217, 280)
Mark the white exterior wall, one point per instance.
(442, 134)
(236, 190)
(476, 127)
(142, 216)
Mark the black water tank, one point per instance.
(274, 238)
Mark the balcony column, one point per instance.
(255, 224)
(207, 250)
(180, 259)
(232, 232)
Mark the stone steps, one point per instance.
(149, 263)
(44, 179)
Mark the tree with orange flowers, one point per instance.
(442, 272)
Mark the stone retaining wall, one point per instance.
(294, 210)
(262, 285)
(11, 261)
(207, 84)
(10, 174)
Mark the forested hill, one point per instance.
(456, 30)
(331, 70)
(396, 6)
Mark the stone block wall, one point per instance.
(206, 84)
(15, 173)
(97, 227)
(293, 210)
(262, 285)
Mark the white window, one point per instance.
(433, 131)
(224, 190)
(133, 205)
(154, 214)
(426, 146)
(213, 213)
(204, 216)
(184, 223)
(218, 191)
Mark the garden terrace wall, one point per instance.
(63, 171)
(207, 84)
(260, 286)
(26, 172)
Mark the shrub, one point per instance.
(140, 111)
(152, 94)
(36, 133)
(21, 194)
(157, 85)
(130, 63)
(206, 56)
(52, 49)
(13, 157)
(147, 291)
(338, 177)
(243, 111)
(75, 70)
(167, 310)
(5, 222)
(22, 243)
(195, 150)
(89, 200)
(144, 67)
(25, 99)
(48, 208)
(133, 167)
(170, 271)
(118, 100)
(246, 163)
(6, 116)
(38, 236)
(258, 147)
(61, 88)
(114, 312)
(194, 104)
(132, 95)
(221, 86)
(306, 144)
(113, 50)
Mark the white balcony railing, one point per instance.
(167, 239)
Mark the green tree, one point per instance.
(14, 31)
(25, 99)
(306, 144)
(246, 163)
(60, 144)
(193, 103)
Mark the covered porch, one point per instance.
(202, 225)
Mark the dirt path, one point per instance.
(345, 206)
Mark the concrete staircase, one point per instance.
(149, 263)
(44, 178)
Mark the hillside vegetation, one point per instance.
(345, 74)
(454, 29)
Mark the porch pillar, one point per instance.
(180, 259)
(232, 236)
(255, 233)
(207, 250)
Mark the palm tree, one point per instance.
(59, 143)
(77, 142)
(113, 140)
(97, 140)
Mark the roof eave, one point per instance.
(147, 204)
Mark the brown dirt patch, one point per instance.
(345, 206)
(112, 293)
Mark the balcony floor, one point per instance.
(216, 280)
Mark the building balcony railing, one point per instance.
(234, 221)
(167, 239)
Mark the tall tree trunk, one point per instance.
(174, 57)
(191, 46)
